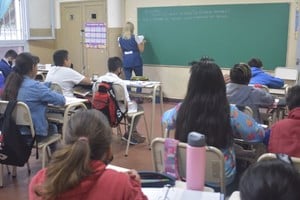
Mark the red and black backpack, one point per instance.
(105, 101)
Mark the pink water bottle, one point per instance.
(195, 161)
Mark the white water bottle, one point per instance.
(195, 161)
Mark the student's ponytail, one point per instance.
(88, 137)
(67, 168)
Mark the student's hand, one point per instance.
(133, 174)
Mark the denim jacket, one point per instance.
(37, 96)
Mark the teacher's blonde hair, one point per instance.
(128, 30)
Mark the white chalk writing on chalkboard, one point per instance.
(196, 13)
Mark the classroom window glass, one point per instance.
(12, 23)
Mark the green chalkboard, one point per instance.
(228, 33)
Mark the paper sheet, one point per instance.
(179, 194)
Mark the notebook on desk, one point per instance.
(180, 194)
(83, 90)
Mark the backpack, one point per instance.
(105, 101)
(15, 148)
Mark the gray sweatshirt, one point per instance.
(245, 95)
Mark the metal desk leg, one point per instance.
(153, 111)
(161, 107)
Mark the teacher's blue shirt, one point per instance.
(131, 54)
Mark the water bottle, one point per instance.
(195, 161)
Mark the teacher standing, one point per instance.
(132, 46)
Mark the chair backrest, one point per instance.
(56, 87)
(289, 75)
(214, 171)
(271, 156)
(21, 114)
(247, 110)
(40, 77)
(120, 96)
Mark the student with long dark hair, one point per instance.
(78, 170)
(20, 85)
(205, 109)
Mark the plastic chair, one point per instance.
(248, 151)
(214, 171)
(271, 156)
(123, 104)
(61, 115)
(22, 116)
(40, 77)
(56, 87)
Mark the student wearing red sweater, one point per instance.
(78, 170)
(285, 134)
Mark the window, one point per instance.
(40, 19)
(26, 19)
(11, 20)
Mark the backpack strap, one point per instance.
(10, 108)
(113, 95)
(170, 157)
(7, 116)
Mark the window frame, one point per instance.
(27, 22)
(22, 42)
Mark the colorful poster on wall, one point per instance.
(95, 35)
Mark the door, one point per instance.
(96, 59)
(74, 16)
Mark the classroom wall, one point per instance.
(175, 79)
(115, 21)
(45, 48)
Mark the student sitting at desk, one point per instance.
(114, 71)
(261, 77)
(285, 134)
(78, 170)
(239, 93)
(63, 75)
(205, 109)
(21, 85)
(7, 62)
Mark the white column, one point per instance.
(115, 13)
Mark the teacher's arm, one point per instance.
(141, 46)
